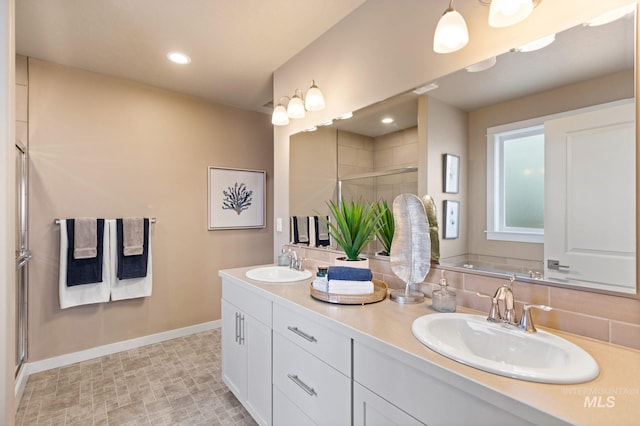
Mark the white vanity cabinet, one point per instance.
(246, 349)
(311, 370)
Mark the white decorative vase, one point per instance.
(360, 263)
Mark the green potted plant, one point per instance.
(356, 222)
(386, 226)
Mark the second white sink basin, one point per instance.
(505, 350)
(277, 274)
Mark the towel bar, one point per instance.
(57, 221)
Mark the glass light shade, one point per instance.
(314, 100)
(295, 109)
(451, 33)
(503, 13)
(279, 116)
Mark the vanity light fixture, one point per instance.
(504, 13)
(314, 101)
(536, 44)
(298, 105)
(451, 32)
(295, 109)
(387, 120)
(178, 58)
(482, 65)
(280, 116)
(610, 16)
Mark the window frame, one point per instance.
(496, 228)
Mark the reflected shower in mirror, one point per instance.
(587, 68)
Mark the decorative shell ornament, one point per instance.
(432, 217)
(410, 257)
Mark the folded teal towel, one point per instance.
(346, 273)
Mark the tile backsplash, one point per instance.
(609, 318)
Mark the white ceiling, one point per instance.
(234, 45)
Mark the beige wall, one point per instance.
(593, 92)
(107, 147)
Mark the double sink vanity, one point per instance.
(291, 359)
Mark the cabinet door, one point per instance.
(258, 343)
(234, 353)
(371, 410)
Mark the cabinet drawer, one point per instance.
(287, 414)
(315, 388)
(331, 347)
(259, 307)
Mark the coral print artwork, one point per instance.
(236, 198)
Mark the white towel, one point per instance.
(131, 288)
(320, 284)
(350, 287)
(312, 231)
(84, 294)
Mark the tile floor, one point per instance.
(176, 382)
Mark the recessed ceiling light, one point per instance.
(178, 58)
(345, 116)
(610, 16)
(326, 123)
(537, 44)
(482, 65)
(387, 120)
(426, 88)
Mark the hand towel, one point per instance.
(349, 274)
(70, 296)
(131, 266)
(321, 284)
(133, 287)
(85, 238)
(322, 236)
(312, 231)
(300, 230)
(133, 235)
(350, 287)
(83, 271)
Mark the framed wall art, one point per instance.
(236, 198)
(451, 173)
(451, 220)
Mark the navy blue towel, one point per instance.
(321, 233)
(132, 266)
(347, 273)
(84, 271)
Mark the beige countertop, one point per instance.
(614, 395)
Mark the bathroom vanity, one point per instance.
(291, 359)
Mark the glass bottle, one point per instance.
(443, 299)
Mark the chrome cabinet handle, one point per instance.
(241, 329)
(237, 327)
(305, 387)
(302, 334)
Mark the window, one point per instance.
(515, 183)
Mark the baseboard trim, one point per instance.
(112, 348)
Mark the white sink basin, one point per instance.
(505, 350)
(277, 274)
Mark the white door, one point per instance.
(590, 223)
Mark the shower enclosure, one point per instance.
(23, 254)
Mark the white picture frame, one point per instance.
(236, 198)
(450, 174)
(451, 220)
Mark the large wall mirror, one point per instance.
(576, 95)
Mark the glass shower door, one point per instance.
(23, 254)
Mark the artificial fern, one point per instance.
(387, 226)
(355, 225)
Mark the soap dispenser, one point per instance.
(443, 299)
(283, 258)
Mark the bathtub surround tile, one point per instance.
(173, 382)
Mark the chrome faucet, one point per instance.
(294, 262)
(503, 294)
(507, 314)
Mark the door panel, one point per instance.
(590, 225)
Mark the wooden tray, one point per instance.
(379, 293)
